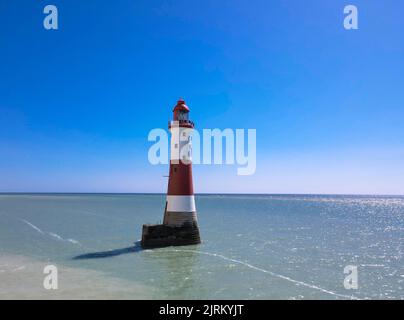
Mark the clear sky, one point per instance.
(77, 104)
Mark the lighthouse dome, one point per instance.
(181, 106)
(181, 112)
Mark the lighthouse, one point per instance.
(180, 224)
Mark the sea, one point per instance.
(253, 247)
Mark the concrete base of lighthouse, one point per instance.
(179, 228)
(163, 235)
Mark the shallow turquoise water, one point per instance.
(254, 246)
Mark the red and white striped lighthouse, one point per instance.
(180, 225)
(180, 206)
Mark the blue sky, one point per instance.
(77, 104)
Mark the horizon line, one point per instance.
(200, 193)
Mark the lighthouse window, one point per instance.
(183, 115)
(176, 145)
(184, 134)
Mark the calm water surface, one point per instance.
(254, 247)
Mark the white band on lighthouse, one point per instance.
(181, 204)
(180, 143)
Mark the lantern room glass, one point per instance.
(182, 115)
